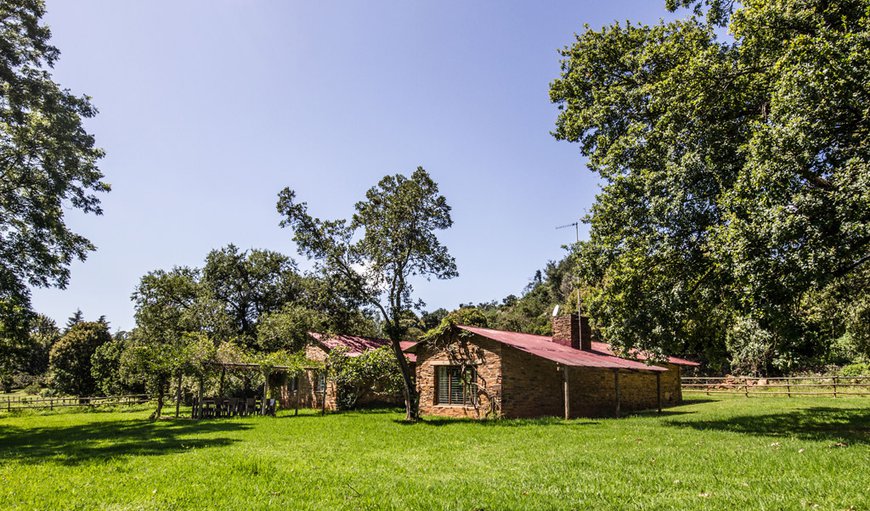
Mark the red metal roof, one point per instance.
(544, 347)
(357, 344)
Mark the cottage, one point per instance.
(482, 372)
(311, 387)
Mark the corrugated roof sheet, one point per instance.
(357, 344)
(544, 347)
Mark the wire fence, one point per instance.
(12, 403)
(832, 386)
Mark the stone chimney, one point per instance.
(572, 330)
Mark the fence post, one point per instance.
(835, 386)
(745, 387)
(788, 386)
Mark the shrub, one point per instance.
(374, 371)
(70, 358)
(855, 370)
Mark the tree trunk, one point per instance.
(160, 394)
(178, 396)
(412, 412)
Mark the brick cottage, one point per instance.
(482, 372)
(312, 387)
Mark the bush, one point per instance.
(856, 370)
(374, 371)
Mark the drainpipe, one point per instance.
(567, 392)
(659, 390)
(616, 385)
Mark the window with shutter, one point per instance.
(453, 387)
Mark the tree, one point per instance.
(48, 162)
(735, 173)
(166, 311)
(249, 284)
(70, 358)
(390, 240)
(77, 317)
(106, 366)
(15, 317)
(44, 333)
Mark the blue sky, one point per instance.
(208, 109)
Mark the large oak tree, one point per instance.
(736, 187)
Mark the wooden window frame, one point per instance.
(469, 393)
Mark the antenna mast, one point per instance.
(576, 226)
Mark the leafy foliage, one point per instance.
(735, 173)
(249, 284)
(106, 367)
(70, 358)
(372, 372)
(48, 162)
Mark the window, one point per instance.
(455, 387)
(321, 382)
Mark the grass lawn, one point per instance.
(764, 453)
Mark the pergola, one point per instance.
(223, 406)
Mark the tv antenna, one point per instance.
(575, 225)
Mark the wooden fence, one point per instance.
(781, 386)
(10, 403)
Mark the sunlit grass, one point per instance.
(765, 453)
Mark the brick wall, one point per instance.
(308, 395)
(532, 386)
(524, 385)
(310, 398)
(483, 354)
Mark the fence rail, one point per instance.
(11, 403)
(779, 386)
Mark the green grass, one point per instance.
(765, 453)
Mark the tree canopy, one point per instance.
(70, 358)
(736, 187)
(48, 161)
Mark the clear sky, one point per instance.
(209, 108)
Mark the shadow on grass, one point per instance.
(499, 423)
(816, 423)
(695, 401)
(80, 443)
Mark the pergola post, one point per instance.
(265, 391)
(616, 385)
(325, 384)
(567, 392)
(197, 411)
(659, 391)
